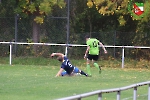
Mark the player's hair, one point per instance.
(87, 36)
(60, 58)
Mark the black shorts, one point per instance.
(93, 57)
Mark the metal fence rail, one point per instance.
(117, 90)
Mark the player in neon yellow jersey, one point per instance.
(92, 53)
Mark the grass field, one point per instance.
(37, 82)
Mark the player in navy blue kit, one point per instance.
(66, 67)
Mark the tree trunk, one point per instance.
(36, 28)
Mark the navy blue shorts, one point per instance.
(93, 57)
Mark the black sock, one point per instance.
(83, 73)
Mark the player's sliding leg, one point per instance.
(76, 70)
(64, 73)
(83, 73)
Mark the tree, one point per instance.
(36, 10)
(124, 12)
(111, 7)
(118, 7)
(6, 20)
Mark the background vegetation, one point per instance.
(46, 21)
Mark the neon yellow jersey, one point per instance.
(94, 46)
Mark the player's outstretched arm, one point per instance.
(105, 51)
(57, 54)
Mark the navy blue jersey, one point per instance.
(67, 66)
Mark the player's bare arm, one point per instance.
(86, 52)
(59, 72)
(105, 51)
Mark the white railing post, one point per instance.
(135, 93)
(149, 92)
(10, 55)
(100, 96)
(123, 57)
(66, 51)
(118, 95)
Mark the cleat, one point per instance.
(89, 75)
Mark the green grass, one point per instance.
(37, 82)
(110, 63)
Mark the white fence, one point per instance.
(66, 45)
(117, 90)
